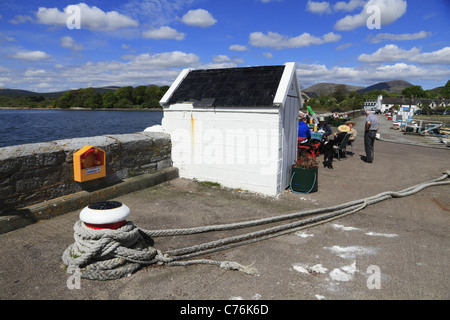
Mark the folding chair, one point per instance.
(342, 147)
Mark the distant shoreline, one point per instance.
(84, 109)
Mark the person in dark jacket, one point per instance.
(343, 130)
(323, 126)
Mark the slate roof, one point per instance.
(237, 87)
(399, 101)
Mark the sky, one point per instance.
(56, 45)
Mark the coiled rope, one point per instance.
(111, 254)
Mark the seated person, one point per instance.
(324, 127)
(343, 130)
(338, 137)
(351, 125)
(303, 129)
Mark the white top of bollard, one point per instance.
(98, 214)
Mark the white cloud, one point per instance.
(5, 37)
(390, 10)
(345, 46)
(157, 12)
(225, 59)
(268, 55)
(441, 56)
(145, 68)
(388, 53)
(20, 19)
(400, 37)
(318, 7)
(142, 69)
(43, 85)
(92, 18)
(321, 7)
(237, 47)
(34, 72)
(221, 58)
(278, 41)
(69, 43)
(199, 18)
(31, 55)
(163, 68)
(165, 60)
(349, 6)
(310, 74)
(163, 33)
(222, 65)
(391, 53)
(399, 69)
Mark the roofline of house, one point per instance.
(165, 99)
(289, 74)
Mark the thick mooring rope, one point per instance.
(111, 254)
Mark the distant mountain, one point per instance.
(18, 93)
(395, 86)
(327, 89)
(104, 89)
(14, 93)
(438, 89)
(324, 88)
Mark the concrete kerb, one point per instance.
(65, 204)
(433, 146)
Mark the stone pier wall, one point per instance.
(33, 173)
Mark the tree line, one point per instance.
(346, 101)
(147, 97)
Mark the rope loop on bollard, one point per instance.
(111, 254)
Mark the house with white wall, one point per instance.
(404, 104)
(383, 104)
(235, 126)
(433, 103)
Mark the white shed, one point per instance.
(235, 126)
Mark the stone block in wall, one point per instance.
(164, 164)
(15, 159)
(159, 138)
(138, 151)
(28, 172)
(70, 146)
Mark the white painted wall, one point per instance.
(237, 149)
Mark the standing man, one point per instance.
(370, 131)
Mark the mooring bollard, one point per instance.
(105, 215)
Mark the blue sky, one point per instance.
(130, 42)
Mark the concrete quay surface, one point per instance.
(397, 249)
